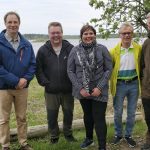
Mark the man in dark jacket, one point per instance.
(145, 83)
(52, 74)
(17, 68)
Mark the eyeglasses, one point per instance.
(127, 33)
(55, 33)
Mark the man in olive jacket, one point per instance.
(52, 74)
(145, 83)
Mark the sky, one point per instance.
(37, 14)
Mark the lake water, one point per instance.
(109, 43)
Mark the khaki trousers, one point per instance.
(19, 99)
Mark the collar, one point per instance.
(10, 39)
(131, 46)
(148, 34)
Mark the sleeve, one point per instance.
(8, 77)
(71, 70)
(41, 78)
(142, 63)
(112, 56)
(107, 69)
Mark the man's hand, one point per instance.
(84, 93)
(96, 92)
(22, 83)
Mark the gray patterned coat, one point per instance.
(101, 76)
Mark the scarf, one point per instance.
(86, 56)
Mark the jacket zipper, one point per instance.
(58, 71)
(21, 54)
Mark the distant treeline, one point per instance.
(44, 37)
(36, 37)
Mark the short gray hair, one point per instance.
(125, 24)
(55, 24)
(148, 15)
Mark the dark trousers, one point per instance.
(146, 105)
(53, 103)
(94, 116)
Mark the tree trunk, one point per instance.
(42, 130)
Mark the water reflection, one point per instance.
(109, 43)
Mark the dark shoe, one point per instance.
(26, 147)
(5, 148)
(87, 143)
(70, 138)
(54, 140)
(148, 137)
(116, 140)
(145, 146)
(130, 141)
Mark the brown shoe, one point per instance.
(26, 147)
(5, 148)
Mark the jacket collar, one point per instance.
(23, 41)
(10, 39)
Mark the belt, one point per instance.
(128, 80)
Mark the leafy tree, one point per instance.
(114, 12)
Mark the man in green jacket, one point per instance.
(125, 82)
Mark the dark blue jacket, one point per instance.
(15, 65)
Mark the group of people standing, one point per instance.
(67, 71)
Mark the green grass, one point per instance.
(44, 144)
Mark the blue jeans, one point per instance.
(131, 92)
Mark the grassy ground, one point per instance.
(37, 116)
(44, 144)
